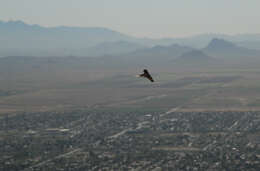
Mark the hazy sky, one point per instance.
(142, 18)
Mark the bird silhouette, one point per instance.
(146, 74)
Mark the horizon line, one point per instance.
(127, 34)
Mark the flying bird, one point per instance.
(146, 75)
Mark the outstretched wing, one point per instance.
(150, 78)
(147, 75)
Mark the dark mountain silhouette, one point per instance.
(221, 44)
(220, 48)
(160, 52)
(194, 56)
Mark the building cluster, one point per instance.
(130, 140)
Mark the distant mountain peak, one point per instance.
(195, 55)
(221, 48)
(169, 47)
(18, 24)
(53, 40)
(217, 43)
(15, 22)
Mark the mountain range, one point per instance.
(20, 39)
